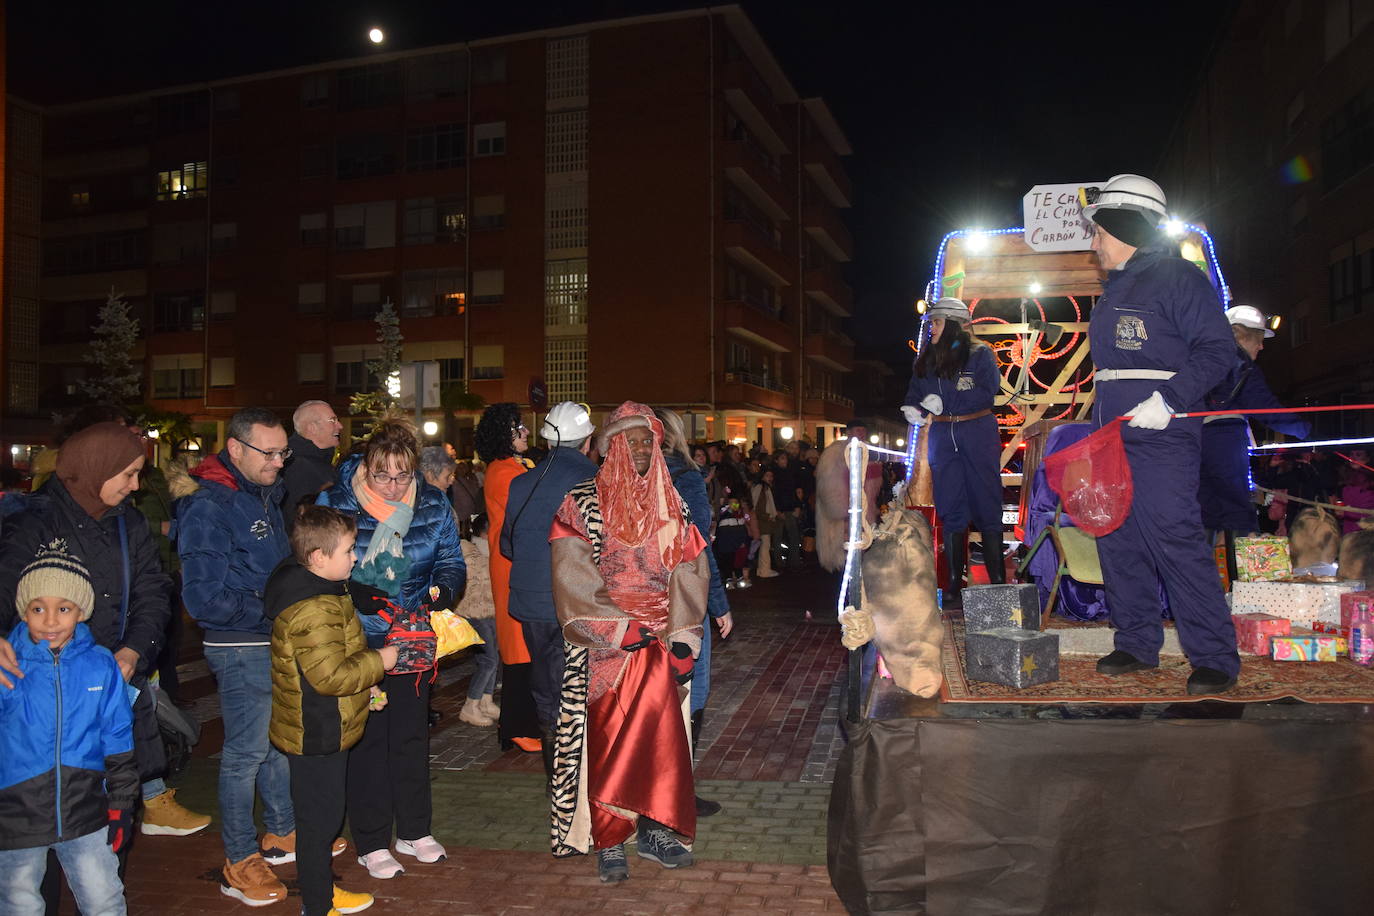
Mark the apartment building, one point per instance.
(641, 208)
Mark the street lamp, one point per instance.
(786, 432)
(431, 428)
(873, 439)
(376, 36)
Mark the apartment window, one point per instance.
(436, 146)
(565, 368)
(364, 156)
(177, 243)
(315, 90)
(314, 228)
(222, 372)
(489, 211)
(436, 76)
(371, 225)
(178, 375)
(737, 357)
(489, 66)
(1348, 139)
(565, 142)
(227, 103)
(489, 139)
(369, 86)
(314, 161)
(310, 368)
(489, 361)
(1300, 328)
(565, 217)
(310, 298)
(227, 172)
(183, 311)
(435, 219)
(80, 197)
(450, 370)
(427, 293)
(350, 368)
(182, 112)
(745, 287)
(224, 237)
(565, 69)
(1296, 107)
(565, 292)
(183, 182)
(85, 253)
(1348, 282)
(360, 299)
(488, 287)
(224, 304)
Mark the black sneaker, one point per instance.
(1120, 661)
(706, 807)
(1205, 681)
(659, 845)
(611, 865)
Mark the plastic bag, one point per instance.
(454, 633)
(1093, 479)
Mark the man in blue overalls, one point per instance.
(1224, 491)
(1160, 342)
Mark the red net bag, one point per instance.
(1094, 480)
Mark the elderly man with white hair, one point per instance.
(311, 467)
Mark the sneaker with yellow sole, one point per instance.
(281, 850)
(350, 902)
(251, 881)
(163, 816)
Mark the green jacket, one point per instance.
(321, 666)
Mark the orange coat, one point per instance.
(510, 639)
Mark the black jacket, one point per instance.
(310, 471)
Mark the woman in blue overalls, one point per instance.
(954, 382)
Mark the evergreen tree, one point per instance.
(385, 371)
(117, 379)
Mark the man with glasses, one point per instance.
(230, 538)
(310, 469)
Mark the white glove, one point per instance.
(1151, 413)
(913, 416)
(933, 403)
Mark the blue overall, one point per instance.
(965, 455)
(1224, 490)
(1160, 312)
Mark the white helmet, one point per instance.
(568, 423)
(950, 307)
(1126, 192)
(1247, 316)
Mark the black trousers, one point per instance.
(518, 718)
(544, 639)
(388, 770)
(317, 795)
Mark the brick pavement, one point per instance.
(767, 754)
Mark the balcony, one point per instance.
(752, 100)
(759, 248)
(757, 174)
(760, 325)
(831, 349)
(824, 168)
(824, 225)
(752, 391)
(833, 408)
(830, 291)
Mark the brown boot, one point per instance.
(472, 714)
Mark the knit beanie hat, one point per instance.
(1130, 226)
(55, 573)
(91, 457)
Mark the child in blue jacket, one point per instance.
(68, 780)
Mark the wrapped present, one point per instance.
(1013, 657)
(1254, 631)
(1325, 628)
(1303, 601)
(1304, 647)
(1348, 602)
(988, 607)
(1262, 559)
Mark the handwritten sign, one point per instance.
(1053, 219)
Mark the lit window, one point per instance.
(190, 179)
(81, 196)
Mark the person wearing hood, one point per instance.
(88, 502)
(310, 471)
(230, 537)
(1160, 342)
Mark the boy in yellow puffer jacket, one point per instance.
(323, 678)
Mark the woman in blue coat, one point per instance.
(408, 554)
(953, 383)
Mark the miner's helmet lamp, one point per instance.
(950, 307)
(1125, 192)
(1247, 316)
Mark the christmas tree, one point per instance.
(117, 379)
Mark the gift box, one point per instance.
(1013, 657)
(1254, 631)
(1348, 602)
(1262, 559)
(1304, 647)
(988, 607)
(1341, 633)
(1301, 601)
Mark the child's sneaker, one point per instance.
(611, 866)
(251, 881)
(162, 816)
(349, 902)
(426, 849)
(381, 863)
(278, 850)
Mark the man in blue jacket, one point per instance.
(530, 508)
(1160, 341)
(230, 538)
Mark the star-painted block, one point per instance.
(1012, 656)
(987, 607)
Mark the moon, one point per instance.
(376, 36)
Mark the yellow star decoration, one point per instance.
(1016, 617)
(1028, 665)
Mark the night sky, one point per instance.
(954, 109)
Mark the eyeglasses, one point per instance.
(521, 430)
(381, 479)
(270, 455)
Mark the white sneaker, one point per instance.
(381, 863)
(426, 849)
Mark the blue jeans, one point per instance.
(92, 872)
(244, 677)
(701, 671)
(487, 660)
